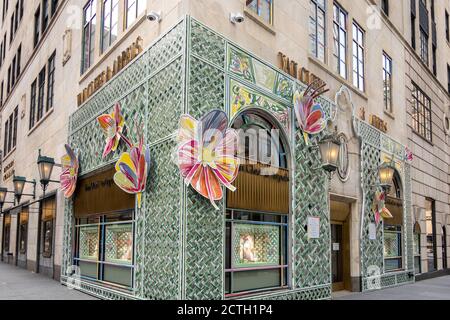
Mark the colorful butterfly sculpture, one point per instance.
(132, 170)
(379, 207)
(310, 115)
(112, 126)
(408, 155)
(206, 154)
(69, 175)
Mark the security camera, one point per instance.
(237, 17)
(154, 16)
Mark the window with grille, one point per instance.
(340, 40)
(89, 24)
(110, 23)
(421, 113)
(262, 8)
(317, 29)
(387, 82)
(358, 57)
(134, 9)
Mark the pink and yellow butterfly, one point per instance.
(310, 115)
(69, 175)
(112, 126)
(379, 207)
(132, 170)
(206, 154)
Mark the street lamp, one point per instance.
(45, 167)
(329, 149)
(3, 193)
(19, 184)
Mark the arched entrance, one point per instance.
(257, 216)
(394, 228)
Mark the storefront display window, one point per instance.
(48, 214)
(105, 248)
(258, 211)
(417, 249)
(393, 247)
(23, 231)
(6, 233)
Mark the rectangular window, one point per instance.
(13, 71)
(11, 132)
(358, 57)
(21, 9)
(421, 113)
(14, 130)
(11, 31)
(340, 40)
(417, 252)
(89, 22)
(424, 47)
(110, 22)
(16, 19)
(37, 26)
(54, 6)
(5, 142)
(263, 8)
(1, 94)
(47, 225)
(23, 230)
(51, 82)
(33, 104)
(19, 58)
(385, 6)
(448, 78)
(317, 29)
(41, 93)
(387, 82)
(430, 217)
(104, 250)
(434, 60)
(447, 25)
(134, 9)
(256, 252)
(6, 232)
(393, 248)
(45, 14)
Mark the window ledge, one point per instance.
(9, 154)
(389, 114)
(38, 124)
(112, 48)
(259, 21)
(338, 77)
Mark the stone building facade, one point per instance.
(377, 63)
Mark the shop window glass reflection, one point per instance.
(258, 212)
(105, 248)
(47, 216)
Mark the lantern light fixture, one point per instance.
(3, 193)
(45, 167)
(19, 185)
(386, 174)
(329, 148)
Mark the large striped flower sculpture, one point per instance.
(310, 115)
(69, 175)
(132, 170)
(206, 154)
(379, 207)
(112, 126)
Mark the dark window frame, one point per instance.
(422, 114)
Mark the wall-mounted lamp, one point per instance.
(386, 174)
(329, 150)
(45, 168)
(19, 184)
(3, 193)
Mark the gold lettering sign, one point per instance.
(99, 194)
(9, 171)
(292, 68)
(121, 61)
(378, 123)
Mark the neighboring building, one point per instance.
(84, 56)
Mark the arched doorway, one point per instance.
(444, 248)
(394, 228)
(257, 216)
(417, 249)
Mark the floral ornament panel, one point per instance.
(379, 207)
(132, 170)
(284, 87)
(408, 155)
(206, 154)
(241, 65)
(243, 97)
(69, 175)
(112, 126)
(310, 115)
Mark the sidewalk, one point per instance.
(20, 284)
(432, 289)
